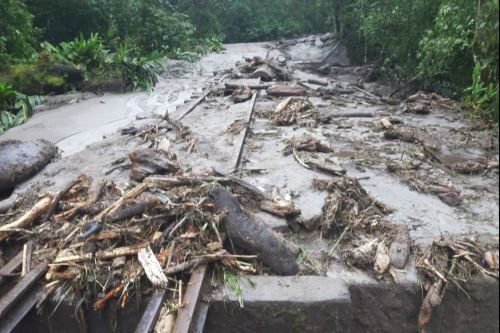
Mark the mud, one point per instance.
(87, 133)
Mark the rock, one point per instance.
(382, 259)
(20, 160)
(400, 248)
(318, 82)
(326, 37)
(286, 90)
(264, 73)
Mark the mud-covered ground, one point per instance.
(425, 159)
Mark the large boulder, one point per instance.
(20, 161)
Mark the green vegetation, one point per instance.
(449, 46)
(52, 46)
(15, 107)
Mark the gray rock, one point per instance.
(20, 160)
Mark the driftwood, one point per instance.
(152, 268)
(101, 255)
(147, 162)
(318, 82)
(286, 90)
(133, 210)
(255, 237)
(207, 259)
(27, 219)
(58, 198)
(284, 211)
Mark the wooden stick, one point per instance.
(209, 258)
(99, 305)
(59, 197)
(102, 255)
(132, 194)
(27, 219)
(27, 254)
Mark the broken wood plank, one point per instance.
(102, 255)
(19, 311)
(19, 290)
(152, 268)
(247, 131)
(152, 312)
(27, 219)
(27, 256)
(11, 266)
(185, 315)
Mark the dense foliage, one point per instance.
(450, 46)
(446, 45)
(257, 20)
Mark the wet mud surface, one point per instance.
(423, 158)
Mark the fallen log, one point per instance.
(133, 210)
(255, 237)
(318, 82)
(27, 219)
(286, 91)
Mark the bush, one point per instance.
(16, 32)
(445, 56)
(37, 79)
(137, 72)
(15, 108)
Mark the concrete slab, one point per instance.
(272, 304)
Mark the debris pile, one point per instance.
(424, 104)
(258, 68)
(365, 238)
(102, 242)
(453, 262)
(293, 111)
